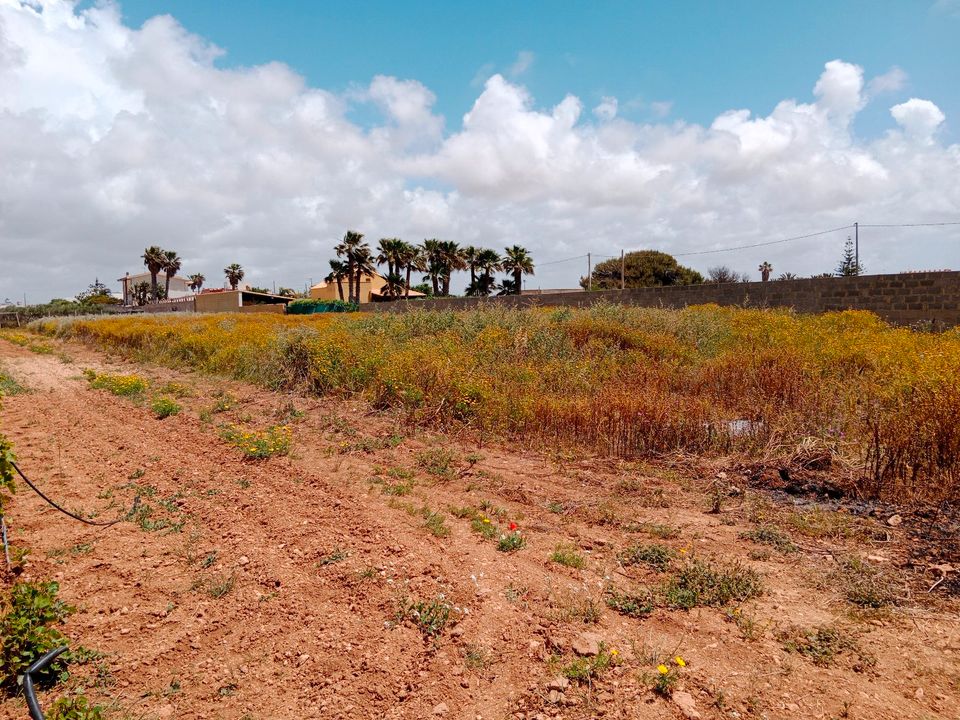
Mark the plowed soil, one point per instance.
(276, 588)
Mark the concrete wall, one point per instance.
(227, 301)
(184, 305)
(902, 299)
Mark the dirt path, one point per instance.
(271, 588)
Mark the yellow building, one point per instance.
(371, 289)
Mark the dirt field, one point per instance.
(276, 588)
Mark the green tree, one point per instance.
(451, 258)
(723, 274)
(432, 263)
(390, 251)
(154, 258)
(486, 263)
(196, 282)
(234, 273)
(849, 266)
(364, 264)
(338, 271)
(348, 248)
(141, 293)
(642, 268)
(171, 267)
(95, 293)
(411, 258)
(517, 262)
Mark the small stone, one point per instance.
(894, 520)
(918, 694)
(244, 560)
(687, 705)
(793, 707)
(587, 644)
(554, 697)
(441, 709)
(876, 558)
(558, 683)
(164, 712)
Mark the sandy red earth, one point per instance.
(271, 588)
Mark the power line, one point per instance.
(891, 225)
(770, 242)
(554, 262)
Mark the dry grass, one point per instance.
(622, 381)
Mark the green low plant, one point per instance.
(635, 605)
(164, 407)
(769, 535)
(568, 556)
(75, 707)
(27, 630)
(703, 583)
(429, 616)
(511, 541)
(123, 385)
(655, 556)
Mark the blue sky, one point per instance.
(702, 57)
(686, 127)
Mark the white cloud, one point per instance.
(607, 109)
(115, 138)
(661, 108)
(920, 119)
(523, 63)
(891, 81)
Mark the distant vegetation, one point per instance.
(840, 388)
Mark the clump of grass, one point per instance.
(224, 401)
(122, 385)
(769, 535)
(9, 385)
(336, 555)
(434, 522)
(177, 389)
(824, 644)
(568, 557)
(657, 530)
(703, 583)
(476, 657)
(429, 616)
(259, 444)
(164, 407)
(748, 626)
(556, 507)
(511, 541)
(439, 462)
(221, 585)
(635, 605)
(587, 669)
(819, 523)
(864, 585)
(657, 557)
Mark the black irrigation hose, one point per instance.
(67, 512)
(39, 665)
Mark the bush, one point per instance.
(76, 707)
(309, 307)
(26, 631)
(700, 582)
(164, 407)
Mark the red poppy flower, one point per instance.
(513, 526)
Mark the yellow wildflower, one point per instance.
(680, 661)
(663, 669)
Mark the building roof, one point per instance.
(324, 283)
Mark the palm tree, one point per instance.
(390, 251)
(348, 248)
(787, 276)
(508, 287)
(171, 267)
(488, 262)
(154, 258)
(765, 270)
(338, 271)
(452, 259)
(234, 275)
(411, 258)
(196, 282)
(364, 264)
(517, 261)
(432, 263)
(394, 284)
(469, 255)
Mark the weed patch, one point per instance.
(769, 535)
(428, 616)
(656, 557)
(122, 385)
(568, 557)
(27, 631)
(702, 583)
(259, 444)
(164, 407)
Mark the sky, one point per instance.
(259, 133)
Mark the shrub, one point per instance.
(568, 556)
(75, 707)
(655, 556)
(27, 632)
(700, 582)
(259, 444)
(123, 385)
(429, 616)
(630, 604)
(164, 407)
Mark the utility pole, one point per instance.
(856, 245)
(589, 273)
(622, 271)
